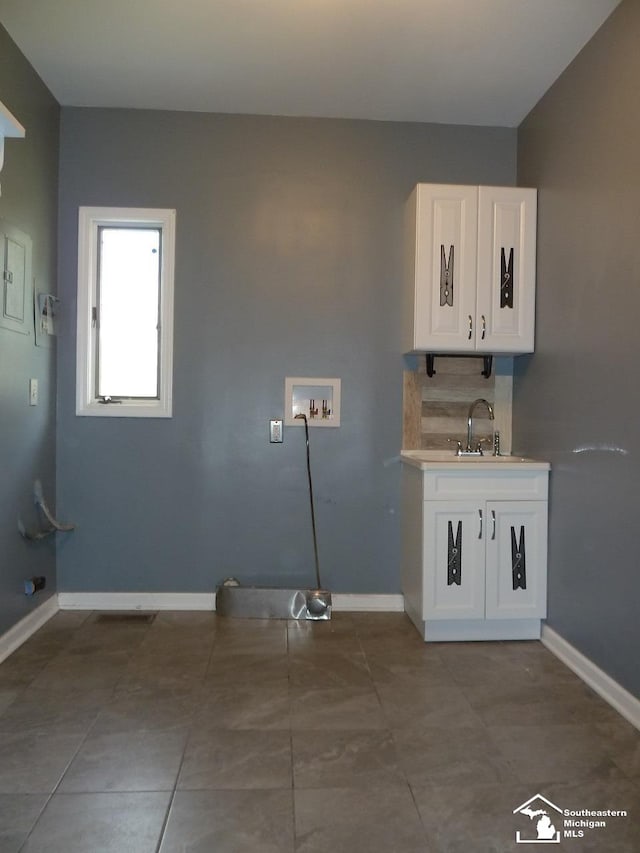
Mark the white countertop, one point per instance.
(442, 459)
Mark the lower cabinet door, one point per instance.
(516, 554)
(454, 557)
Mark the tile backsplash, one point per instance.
(435, 408)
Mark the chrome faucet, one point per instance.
(472, 407)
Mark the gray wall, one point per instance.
(577, 400)
(289, 253)
(29, 202)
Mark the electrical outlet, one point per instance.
(33, 392)
(275, 431)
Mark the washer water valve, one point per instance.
(33, 585)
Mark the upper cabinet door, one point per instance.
(442, 268)
(506, 269)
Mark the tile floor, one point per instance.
(198, 733)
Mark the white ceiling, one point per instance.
(450, 61)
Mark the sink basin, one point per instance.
(447, 458)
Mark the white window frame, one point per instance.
(90, 219)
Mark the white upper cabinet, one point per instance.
(9, 126)
(470, 282)
(506, 289)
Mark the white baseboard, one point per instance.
(342, 602)
(22, 630)
(137, 600)
(345, 602)
(620, 699)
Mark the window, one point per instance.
(125, 312)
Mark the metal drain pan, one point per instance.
(254, 602)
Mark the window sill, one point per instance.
(130, 409)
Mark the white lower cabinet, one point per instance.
(475, 568)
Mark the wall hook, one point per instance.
(486, 359)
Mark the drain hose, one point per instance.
(313, 514)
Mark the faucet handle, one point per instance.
(458, 445)
(480, 443)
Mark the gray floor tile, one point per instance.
(462, 818)
(227, 625)
(33, 763)
(36, 710)
(346, 708)
(177, 656)
(331, 636)
(224, 759)
(340, 624)
(447, 755)
(350, 820)
(554, 753)
(186, 667)
(384, 631)
(484, 663)
(348, 711)
(621, 740)
(247, 669)
(56, 634)
(96, 640)
(329, 669)
(169, 641)
(109, 823)
(6, 698)
(554, 703)
(345, 759)
(385, 626)
(244, 707)
(183, 622)
(147, 709)
(45, 645)
(138, 761)
(401, 667)
(19, 670)
(270, 641)
(69, 672)
(65, 620)
(172, 670)
(230, 822)
(18, 814)
(423, 706)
